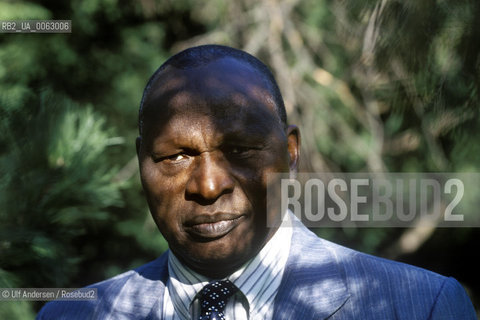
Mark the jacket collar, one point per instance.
(313, 285)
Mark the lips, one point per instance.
(214, 226)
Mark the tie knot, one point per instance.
(214, 297)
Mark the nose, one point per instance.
(209, 180)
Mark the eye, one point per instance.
(241, 152)
(177, 157)
(171, 159)
(236, 150)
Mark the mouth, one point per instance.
(210, 227)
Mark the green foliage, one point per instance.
(53, 186)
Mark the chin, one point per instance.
(216, 259)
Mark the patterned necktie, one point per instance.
(213, 299)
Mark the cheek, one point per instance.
(254, 179)
(252, 190)
(255, 189)
(162, 195)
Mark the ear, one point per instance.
(293, 140)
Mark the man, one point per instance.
(212, 127)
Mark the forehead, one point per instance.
(226, 91)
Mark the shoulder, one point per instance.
(359, 266)
(397, 288)
(362, 273)
(127, 295)
(389, 287)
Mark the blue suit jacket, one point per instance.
(321, 280)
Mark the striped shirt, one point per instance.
(258, 281)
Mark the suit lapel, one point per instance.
(313, 285)
(141, 297)
(156, 311)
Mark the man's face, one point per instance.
(211, 136)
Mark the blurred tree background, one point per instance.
(377, 85)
